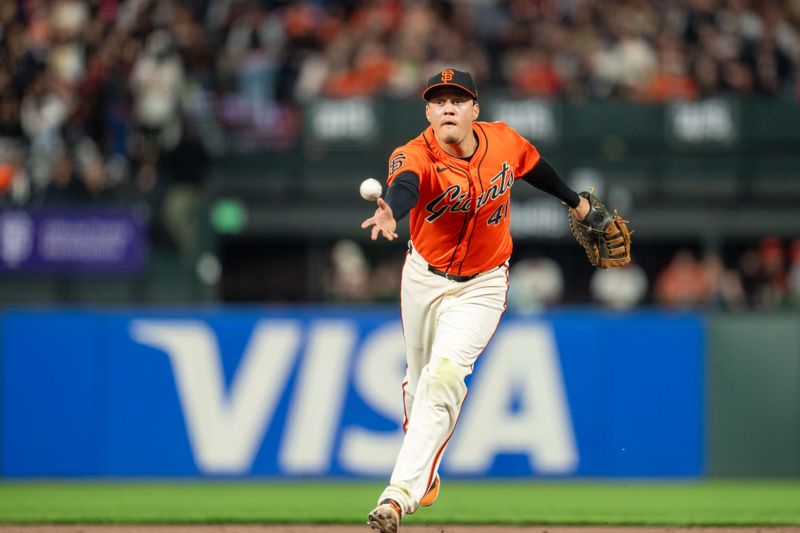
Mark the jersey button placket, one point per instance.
(463, 246)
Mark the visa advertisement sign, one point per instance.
(316, 392)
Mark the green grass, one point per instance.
(622, 502)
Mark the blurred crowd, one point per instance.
(99, 103)
(763, 277)
(104, 99)
(644, 50)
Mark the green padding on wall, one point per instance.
(754, 394)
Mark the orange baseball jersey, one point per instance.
(460, 223)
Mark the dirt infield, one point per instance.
(298, 528)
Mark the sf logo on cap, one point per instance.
(447, 75)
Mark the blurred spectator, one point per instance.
(92, 169)
(44, 111)
(706, 74)
(672, 80)
(752, 275)
(349, 280)
(252, 54)
(774, 290)
(764, 275)
(794, 272)
(682, 283)
(409, 49)
(534, 74)
(369, 74)
(184, 172)
(14, 182)
(535, 284)
(65, 186)
(724, 285)
(771, 67)
(619, 288)
(9, 115)
(624, 66)
(385, 281)
(156, 83)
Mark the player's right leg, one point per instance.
(420, 302)
(465, 320)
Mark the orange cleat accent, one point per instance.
(432, 494)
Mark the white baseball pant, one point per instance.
(446, 325)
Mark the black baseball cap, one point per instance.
(451, 77)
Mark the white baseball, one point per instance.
(370, 189)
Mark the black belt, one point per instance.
(452, 277)
(445, 275)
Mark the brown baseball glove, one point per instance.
(603, 234)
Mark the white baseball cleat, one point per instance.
(386, 517)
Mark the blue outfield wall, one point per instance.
(316, 392)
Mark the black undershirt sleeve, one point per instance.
(544, 177)
(403, 194)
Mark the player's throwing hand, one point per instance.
(382, 222)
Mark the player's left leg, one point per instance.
(467, 321)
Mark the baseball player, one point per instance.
(455, 181)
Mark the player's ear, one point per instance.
(428, 111)
(476, 110)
